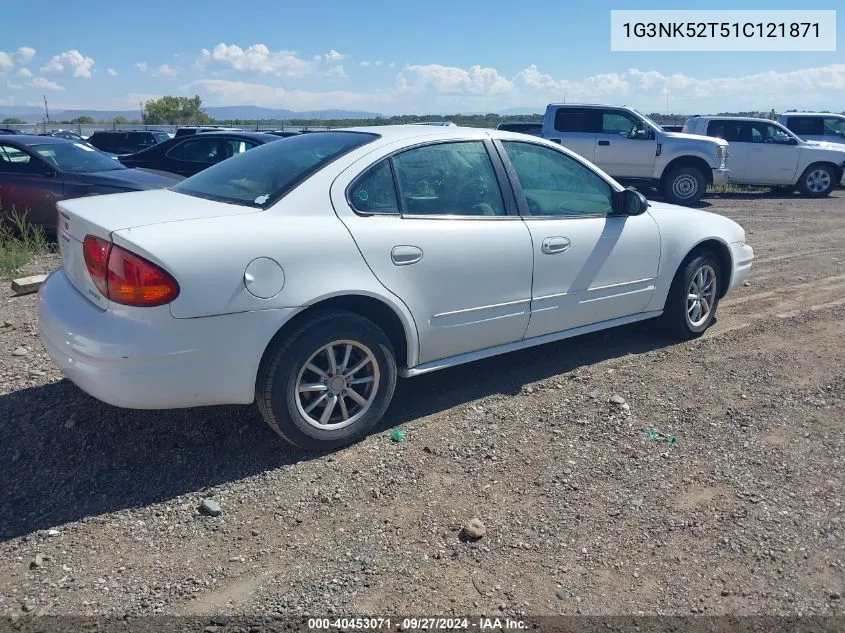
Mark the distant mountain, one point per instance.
(33, 114)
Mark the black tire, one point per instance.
(817, 174)
(684, 186)
(276, 392)
(676, 318)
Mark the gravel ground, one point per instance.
(584, 512)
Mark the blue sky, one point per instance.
(390, 57)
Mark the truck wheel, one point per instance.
(684, 185)
(817, 181)
(328, 383)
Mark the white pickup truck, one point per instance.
(635, 150)
(764, 152)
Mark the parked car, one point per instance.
(38, 171)
(66, 134)
(436, 123)
(633, 149)
(280, 133)
(763, 152)
(536, 129)
(307, 274)
(9, 130)
(126, 141)
(672, 128)
(190, 131)
(188, 155)
(815, 126)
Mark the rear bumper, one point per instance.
(721, 176)
(153, 361)
(742, 256)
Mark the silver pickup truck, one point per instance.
(635, 150)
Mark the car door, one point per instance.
(575, 129)
(590, 266)
(738, 136)
(29, 186)
(772, 156)
(194, 154)
(434, 228)
(625, 146)
(834, 129)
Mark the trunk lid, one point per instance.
(102, 215)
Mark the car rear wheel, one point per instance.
(694, 296)
(684, 185)
(328, 383)
(817, 181)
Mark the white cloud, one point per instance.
(334, 56)
(165, 71)
(392, 65)
(378, 63)
(142, 66)
(336, 71)
(450, 80)
(24, 54)
(112, 72)
(73, 61)
(365, 64)
(45, 84)
(24, 72)
(6, 62)
(257, 58)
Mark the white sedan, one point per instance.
(307, 274)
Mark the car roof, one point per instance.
(731, 118)
(34, 139)
(836, 114)
(233, 134)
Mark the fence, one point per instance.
(87, 129)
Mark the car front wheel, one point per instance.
(817, 181)
(328, 383)
(693, 298)
(684, 185)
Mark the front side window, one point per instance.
(767, 133)
(834, 126)
(263, 175)
(448, 179)
(76, 158)
(731, 131)
(375, 191)
(614, 122)
(556, 184)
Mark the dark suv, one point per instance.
(126, 141)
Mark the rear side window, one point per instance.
(577, 120)
(448, 179)
(261, 176)
(731, 131)
(196, 150)
(805, 125)
(375, 192)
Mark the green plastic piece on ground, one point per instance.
(398, 435)
(656, 436)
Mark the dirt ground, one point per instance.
(585, 513)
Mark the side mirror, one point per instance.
(642, 134)
(629, 202)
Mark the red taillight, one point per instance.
(126, 278)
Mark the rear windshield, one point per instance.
(261, 176)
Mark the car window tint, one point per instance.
(448, 179)
(557, 184)
(802, 125)
(731, 131)
(576, 120)
(196, 150)
(237, 146)
(13, 156)
(375, 192)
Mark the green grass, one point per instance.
(19, 242)
(731, 188)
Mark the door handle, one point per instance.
(604, 142)
(554, 245)
(406, 255)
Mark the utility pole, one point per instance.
(47, 113)
(141, 105)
